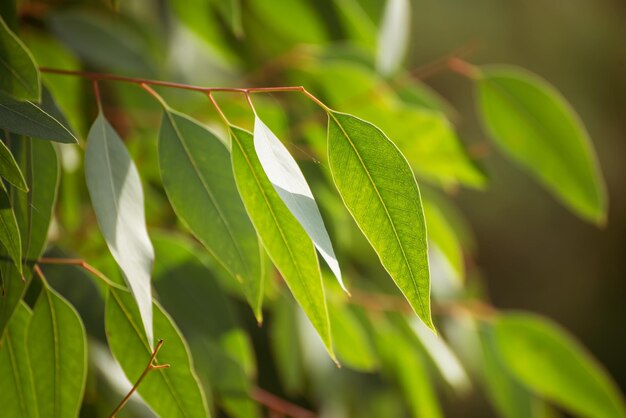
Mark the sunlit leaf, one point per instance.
(17, 393)
(351, 341)
(173, 392)
(534, 125)
(280, 16)
(57, 349)
(9, 170)
(9, 231)
(286, 242)
(19, 76)
(289, 182)
(26, 118)
(357, 22)
(380, 191)
(393, 36)
(197, 176)
(555, 366)
(117, 198)
(33, 211)
(442, 234)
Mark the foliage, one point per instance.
(190, 227)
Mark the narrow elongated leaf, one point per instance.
(9, 231)
(19, 76)
(33, 211)
(172, 392)
(9, 170)
(198, 179)
(351, 341)
(380, 191)
(534, 125)
(393, 36)
(289, 182)
(57, 349)
(17, 393)
(287, 350)
(26, 118)
(286, 242)
(117, 199)
(553, 365)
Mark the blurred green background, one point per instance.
(533, 253)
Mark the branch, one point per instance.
(78, 262)
(147, 370)
(279, 405)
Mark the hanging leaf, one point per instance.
(380, 191)
(354, 349)
(231, 13)
(19, 76)
(286, 242)
(57, 349)
(9, 231)
(9, 169)
(198, 178)
(117, 198)
(17, 393)
(553, 365)
(26, 118)
(33, 212)
(393, 36)
(172, 392)
(289, 182)
(534, 125)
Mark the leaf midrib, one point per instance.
(54, 122)
(393, 227)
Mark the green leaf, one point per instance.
(534, 125)
(198, 179)
(552, 364)
(443, 236)
(357, 23)
(17, 393)
(9, 230)
(33, 211)
(231, 12)
(393, 36)
(286, 242)
(351, 341)
(9, 170)
(378, 188)
(57, 349)
(19, 76)
(310, 28)
(172, 392)
(26, 118)
(289, 182)
(117, 198)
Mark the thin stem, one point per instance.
(41, 276)
(279, 405)
(78, 263)
(218, 109)
(154, 94)
(96, 92)
(249, 100)
(464, 68)
(151, 366)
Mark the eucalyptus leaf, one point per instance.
(198, 179)
(534, 125)
(289, 182)
(9, 230)
(33, 212)
(393, 36)
(552, 364)
(173, 392)
(354, 349)
(26, 118)
(19, 76)
(9, 170)
(286, 242)
(378, 188)
(117, 198)
(17, 393)
(57, 349)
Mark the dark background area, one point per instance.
(533, 253)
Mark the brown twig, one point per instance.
(78, 262)
(279, 405)
(151, 366)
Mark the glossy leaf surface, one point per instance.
(286, 242)
(198, 178)
(380, 191)
(117, 198)
(173, 392)
(289, 182)
(534, 125)
(57, 349)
